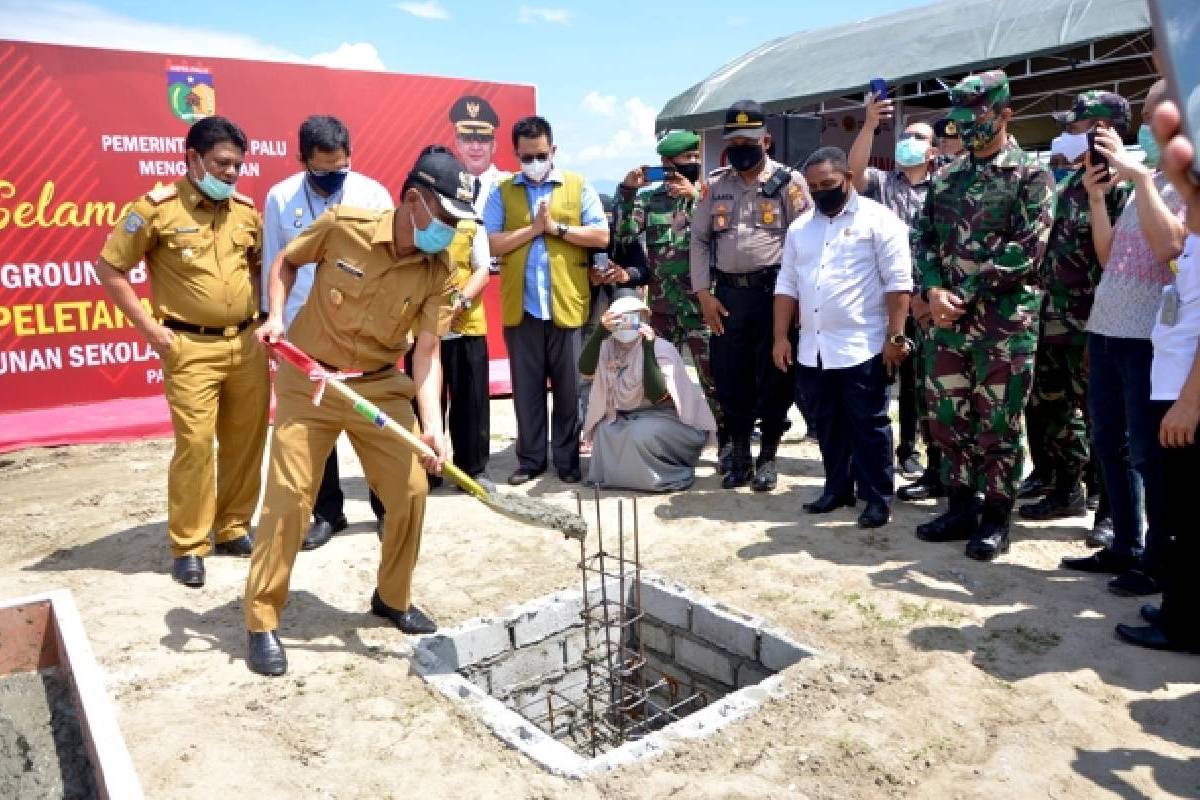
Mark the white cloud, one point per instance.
(86, 25)
(427, 10)
(360, 55)
(559, 16)
(603, 104)
(606, 146)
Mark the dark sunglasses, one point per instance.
(476, 138)
(529, 159)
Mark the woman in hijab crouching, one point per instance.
(647, 421)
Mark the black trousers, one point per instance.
(465, 384)
(748, 384)
(1181, 594)
(848, 409)
(909, 399)
(539, 350)
(330, 500)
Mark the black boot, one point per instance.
(741, 468)
(765, 476)
(958, 523)
(927, 487)
(1033, 486)
(724, 452)
(1064, 501)
(991, 539)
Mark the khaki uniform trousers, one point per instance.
(304, 436)
(215, 387)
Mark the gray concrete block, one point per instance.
(525, 665)
(749, 674)
(777, 651)
(658, 639)
(705, 660)
(730, 630)
(532, 624)
(468, 644)
(661, 603)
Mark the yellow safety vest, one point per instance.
(472, 322)
(570, 292)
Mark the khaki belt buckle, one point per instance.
(230, 331)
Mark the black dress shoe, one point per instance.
(1033, 486)
(1134, 583)
(414, 620)
(188, 570)
(875, 515)
(828, 502)
(1100, 561)
(1153, 638)
(242, 547)
(991, 540)
(321, 531)
(569, 475)
(523, 475)
(765, 476)
(927, 487)
(1056, 505)
(1151, 613)
(265, 655)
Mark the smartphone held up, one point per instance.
(1177, 33)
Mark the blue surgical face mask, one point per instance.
(436, 237)
(911, 152)
(1149, 144)
(214, 188)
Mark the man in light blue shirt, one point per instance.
(561, 220)
(292, 205)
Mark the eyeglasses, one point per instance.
(476, 138)
(529, 159)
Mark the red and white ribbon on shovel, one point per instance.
(309, 366)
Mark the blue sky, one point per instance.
(603, 70)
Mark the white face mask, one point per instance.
(625, 335)
(536, 170)
(1069, 145)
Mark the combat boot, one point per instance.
(741, 467)
(1062, 502)
(765, 476)
(991, 539)
(958, 523)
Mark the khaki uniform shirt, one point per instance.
(747, 227)
(365, 299)
(202, 256)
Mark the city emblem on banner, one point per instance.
(190, 93)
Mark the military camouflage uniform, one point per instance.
(666, 222)
(1070, 274)
(982, 235)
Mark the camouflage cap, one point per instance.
(978, 92)
(676, 142)
(1096, 104)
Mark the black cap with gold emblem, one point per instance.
(744, 118)
(473, 115)
(443, 173)
(946, 128)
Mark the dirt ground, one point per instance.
(938, 676)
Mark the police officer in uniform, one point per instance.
(200, 240)
(379, 276)
(738, 231)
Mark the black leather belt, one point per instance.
(370, 374)
(762, 278)
(229, 331)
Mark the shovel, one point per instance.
(515, 506)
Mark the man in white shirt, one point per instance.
(847, 266)
(292, 205)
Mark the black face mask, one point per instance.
(691, 171)
(744, 157)
(830, 201)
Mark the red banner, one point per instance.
(83, 132)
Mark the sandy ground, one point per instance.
(938, 676)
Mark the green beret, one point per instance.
(675, 142)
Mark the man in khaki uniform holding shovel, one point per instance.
(379, 274)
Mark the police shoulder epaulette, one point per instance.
(161, 194)
(354, 212)
(238, 197)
